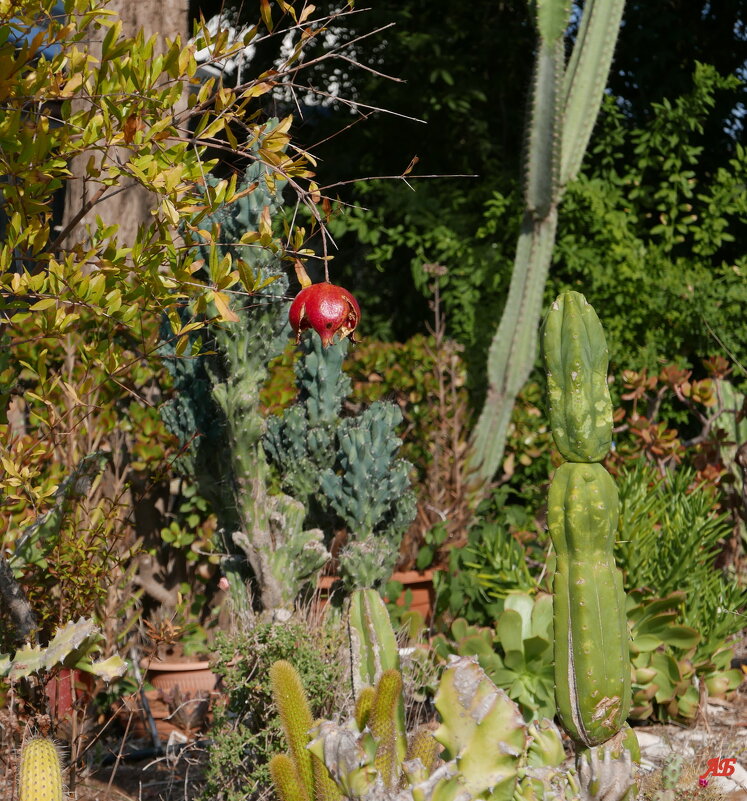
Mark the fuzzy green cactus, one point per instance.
(592, 662)
(564, 106)
(295, 717)
(344, 467)
(40, 776)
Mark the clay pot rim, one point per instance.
(164, 666)
(404, 577)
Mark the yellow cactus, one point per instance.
(41, 771)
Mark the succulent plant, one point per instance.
(373, 643)
(40, 776)
(592, 667)
(667, 674)
(216, 412)
(482, 748)
(73, 645)
(328, 309)
(344, 468)
(516, 654)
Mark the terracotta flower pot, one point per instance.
(422, 592)
(188, 676)
(419, 584)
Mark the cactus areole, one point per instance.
(328, 309)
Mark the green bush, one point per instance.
(246, 732)
(669, 540)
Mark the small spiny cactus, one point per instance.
(40, 777)
(296, 720)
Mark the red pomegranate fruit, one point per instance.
(328, 309)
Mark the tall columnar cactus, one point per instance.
(564, 107)
(40, 777)
(344, 468)
(216, 413)
(592, 662)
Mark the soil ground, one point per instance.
(721, 732)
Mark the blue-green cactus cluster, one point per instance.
(347, 465)
(216, 411)
(335, 469)
(192, 413)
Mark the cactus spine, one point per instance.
(488, 753)
(41, 771)
(592, 663)
(564, 106)
(295, 717)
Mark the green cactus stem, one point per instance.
(475, 715)
(592, 648)
(592, 663)
(575, 353)
(390, 738)
(564, 106)
(40, 777)
(344, 467)
(373, 643)
(295, 716)
(284, 777)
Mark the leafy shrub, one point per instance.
(246, 732)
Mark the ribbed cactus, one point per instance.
(592, 661)
(482, 749)
(373, 644)
(564, 106)
(216, 413)
(344, 467)
(40, 776)
(295, 717)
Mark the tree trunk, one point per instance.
(131, 206)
